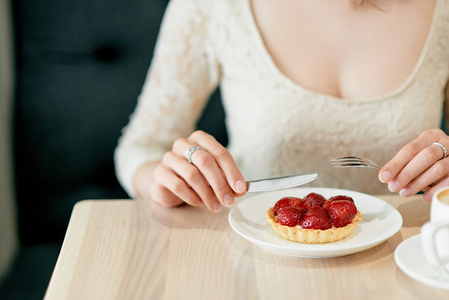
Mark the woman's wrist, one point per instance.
(143, 179)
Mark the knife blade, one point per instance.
(276, 183)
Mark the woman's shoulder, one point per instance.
(214, 14)
(209, 5)
(212, 11)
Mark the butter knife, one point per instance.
(276, 183)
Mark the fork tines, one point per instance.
(352, 161)
(347, 159)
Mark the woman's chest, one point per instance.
(334, 49)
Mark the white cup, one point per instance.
(435, 234)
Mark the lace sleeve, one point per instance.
(182, 75)
(446, 108)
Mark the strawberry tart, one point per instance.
(314, 219)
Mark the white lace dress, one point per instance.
(275, 126)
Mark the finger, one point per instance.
(418, 164)
(428, 195)
(193, 177)
(224, 160)
(435, 174)
(164, 196)
(166, 178)
(208, 167)
(392, 168)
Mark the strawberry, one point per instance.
(285, 202)
(341, 212)
(314, 199)
(327, 204)
(316, 218)
(341, 197)
(298, 203)
(290, 216)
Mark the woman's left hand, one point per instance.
(421, 165)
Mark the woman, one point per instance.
(302, 82)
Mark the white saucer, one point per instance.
(409, 257)
(380, 222)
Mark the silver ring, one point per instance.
(442, 148)
(190, 151)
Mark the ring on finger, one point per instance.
(190, 151)
(442, 148)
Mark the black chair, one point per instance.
(78, 69)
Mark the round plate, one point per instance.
(380, 222)
(409, 257)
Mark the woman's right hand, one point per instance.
(212, 178)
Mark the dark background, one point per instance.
(80, 66)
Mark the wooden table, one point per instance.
(125, 249)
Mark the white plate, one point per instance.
(380, 221)
(409, 257)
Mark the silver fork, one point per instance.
(358, 162)
(353, 161)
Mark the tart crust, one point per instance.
(312, 236)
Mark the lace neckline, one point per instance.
(266, 56)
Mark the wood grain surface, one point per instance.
(125, 249)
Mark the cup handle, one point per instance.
(428, 233)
